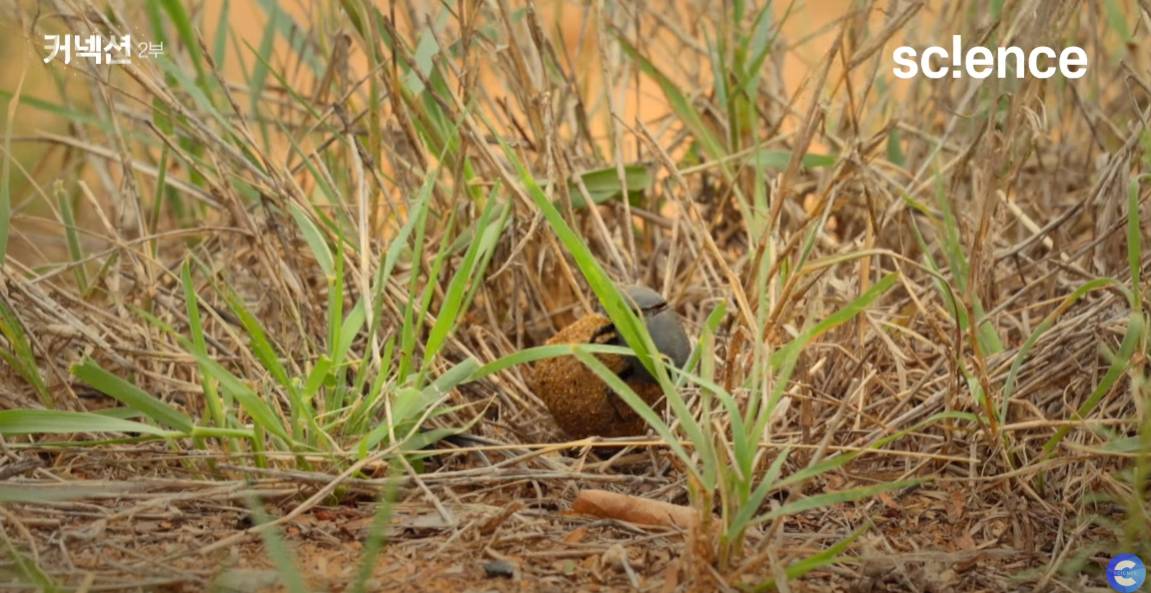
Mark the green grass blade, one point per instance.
(58, 491)
(797, 569)
(187, 34)
(751, 506)
(216, 406)
(784, 359)
(635, 402)
(778, 159)
(75, 249)
(348, 331)
(269, 357)
(278, 551)
(603, 185)
(19, 355)
(28, 570)
(827, 499)
(263, 62)
(1044, 325)
(758, 48)
(1119, 364)
(15, 422)
(490, 227)
(410, 403)
(314, 239)
(220, 44)
(711, 142)
(262, 415)
(289, 30)
(132, 396)
(6, 173)
(75, 116)
(377, 537)
(1134, 244)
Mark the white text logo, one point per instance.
(981, 62)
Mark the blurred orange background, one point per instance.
(808, 31)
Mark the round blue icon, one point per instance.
(1126, 573)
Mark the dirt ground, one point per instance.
(150, 529)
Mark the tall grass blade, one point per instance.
(132, 396)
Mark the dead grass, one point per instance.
(1005, 372)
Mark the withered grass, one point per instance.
(353, 191)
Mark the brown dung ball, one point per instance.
(580, 402)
